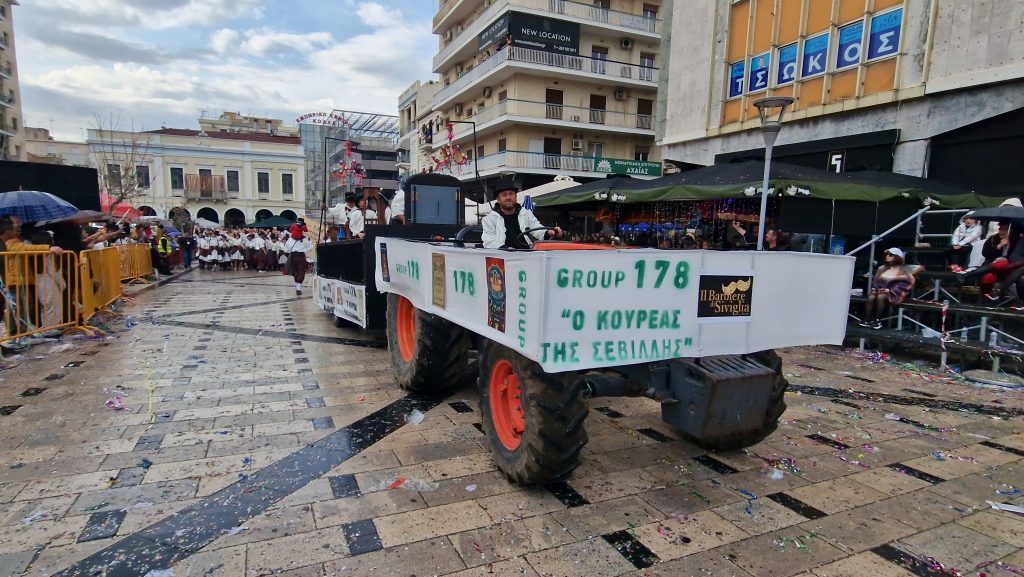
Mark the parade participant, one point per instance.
(398, 208)
(357, 219)
(892, 283)
(504, 226)
(296, 249)
(203, 243)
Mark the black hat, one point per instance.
(351, 197)
(505, 183)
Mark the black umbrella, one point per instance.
(998, 213)
(274, 222)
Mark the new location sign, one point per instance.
(534, 32)
(632, 167)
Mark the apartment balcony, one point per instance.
(3, 44)
(6, 101)
(202, 187)
(603, 21)
(7, 130)
(552, 115)
(452, 11)
(6, 72)
(555, 164)
(513, 59)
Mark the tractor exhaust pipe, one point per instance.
(610, 385)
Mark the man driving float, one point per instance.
(504, 226)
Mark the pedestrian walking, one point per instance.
(188, 249)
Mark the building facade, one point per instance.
(413, 111)
(917, 87)
(41, 147)
(237, 123)
(549, 87)
(12, 130)
(348, 151)
(225, 177)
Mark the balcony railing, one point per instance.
(471, 27)
(6, 72)
(7, 101)
(543, 110)
(537, 161)
(585, 64)
(203, 187)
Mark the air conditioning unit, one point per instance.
(627, 43)
(448, 36)
(458, 109)
(577, 144)
(620, 93)
(487, 91)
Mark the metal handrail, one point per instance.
(874, 239)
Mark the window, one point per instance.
(263, 182)
(646, 66)
(479, 151)
(598, 105)
(142, 176)
(232, 178)
(205, 183)
(599, 60)
(287, 184)
(596, 150)
(177, 178)
(642, 153)
(14, 123)
(553, 102)
(600, 11)
(503, 96)
(651, 13)
(644, 113)
(502, 143)
(113, 176)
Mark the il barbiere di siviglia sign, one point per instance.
(631, 167)
(588, 309)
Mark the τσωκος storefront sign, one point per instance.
(587, 309)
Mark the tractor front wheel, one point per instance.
(429, 354)
(532, 419)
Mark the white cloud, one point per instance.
(236, 70)
(153, 14)
(224, 40)
(377, 15)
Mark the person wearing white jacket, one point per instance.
(505, 225)
(959, 252)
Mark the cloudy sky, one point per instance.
(164, 62)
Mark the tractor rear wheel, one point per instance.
(429, 353)
(532, 419)
(776, 407)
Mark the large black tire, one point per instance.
(776, 407)
(552, 414)
(439, 351)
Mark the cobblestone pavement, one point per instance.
(258, 439)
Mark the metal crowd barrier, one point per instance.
(41, 293)
(136, 261)
(100, 278)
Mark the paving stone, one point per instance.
(957, 546)
(284, 553)
(593, 557)
(1005, 527)
(862, 564)
(332, 512)
(921, 510)
(858, 530)
(431, 557)
(781, 553)
(759, 516)
(606, 517)
(711, 563)
(429, 523)
(837, 495)
(520, 504)
(501, 541)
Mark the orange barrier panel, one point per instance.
(136, 261)
(101, 279)
(40, 293)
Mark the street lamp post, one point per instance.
(476, 166)
(771, 111)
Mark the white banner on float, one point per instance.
(575, 310)
(350, 302)
(323, 293)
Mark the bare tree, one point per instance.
(123, 159)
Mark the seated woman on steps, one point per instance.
(892, 283)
